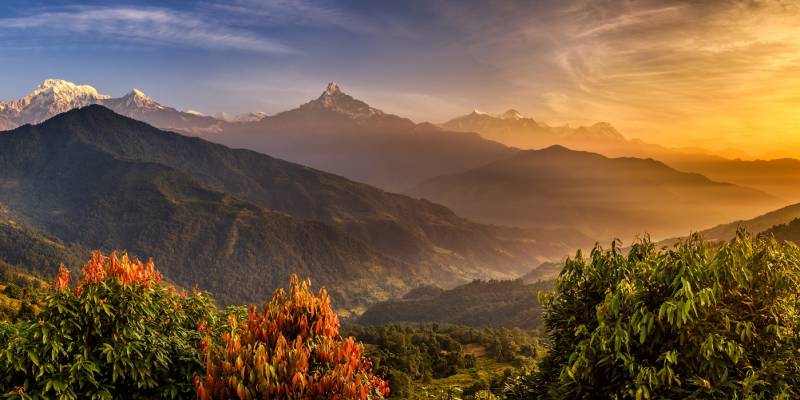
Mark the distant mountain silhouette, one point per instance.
(779, 177)
(514, 129)
(760, 224)
(607, 197)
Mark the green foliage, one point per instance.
(697, 321)
(23, 249)
(511, 303)
(20, 294)
(789, 231)
(117, 334)
(411, 355)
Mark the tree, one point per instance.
(698, 321)
(290, 350)
(118, 333)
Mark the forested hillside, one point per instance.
(100, 180)
(476, 304)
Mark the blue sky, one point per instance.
(234, 56)
(716, 73)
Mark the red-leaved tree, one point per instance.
(292, 350)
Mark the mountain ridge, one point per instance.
(622, 196)
(337, 133)
(55, 96)
(107, 181)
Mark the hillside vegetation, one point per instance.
(120, 332)
(428, 361)
(103, 181)
(476, 304)
(699, 321)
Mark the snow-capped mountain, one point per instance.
(134, 101)
(52, 97)
(515, 129)
(512, 114)
(346, 136)
(333, 99)
(246, 117)
(55, 96)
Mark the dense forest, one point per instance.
(698, 320)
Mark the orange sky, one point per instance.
(715, 74)
(712, 73)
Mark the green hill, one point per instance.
(477, 304)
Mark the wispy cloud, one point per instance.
(679, 72)
(153, 26)
(305, 13)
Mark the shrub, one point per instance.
(118, 333)
(698, 321)
(291, 350)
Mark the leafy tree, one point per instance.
(697, 321)
(291, 350)
(117, 333)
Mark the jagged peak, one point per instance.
(48, 83)
(511, 114)
(333, 88)
(64, 87)
(334, 99)
(136, 93)
(137, 98)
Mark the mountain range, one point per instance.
(777, 177)
(76, 175)
(340, 134)
(55, 96)
(346, 136)
(605, 197)
(514, 129)
(237, 222)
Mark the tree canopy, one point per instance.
(700, 320)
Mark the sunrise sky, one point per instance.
(716, 74)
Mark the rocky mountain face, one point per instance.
(237, 222)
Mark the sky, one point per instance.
(716, 74)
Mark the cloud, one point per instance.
(670, 71)
(298, 13)
(153, 26)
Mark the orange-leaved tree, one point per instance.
(292, 350)
(117, 333)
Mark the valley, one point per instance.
(410, 200)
